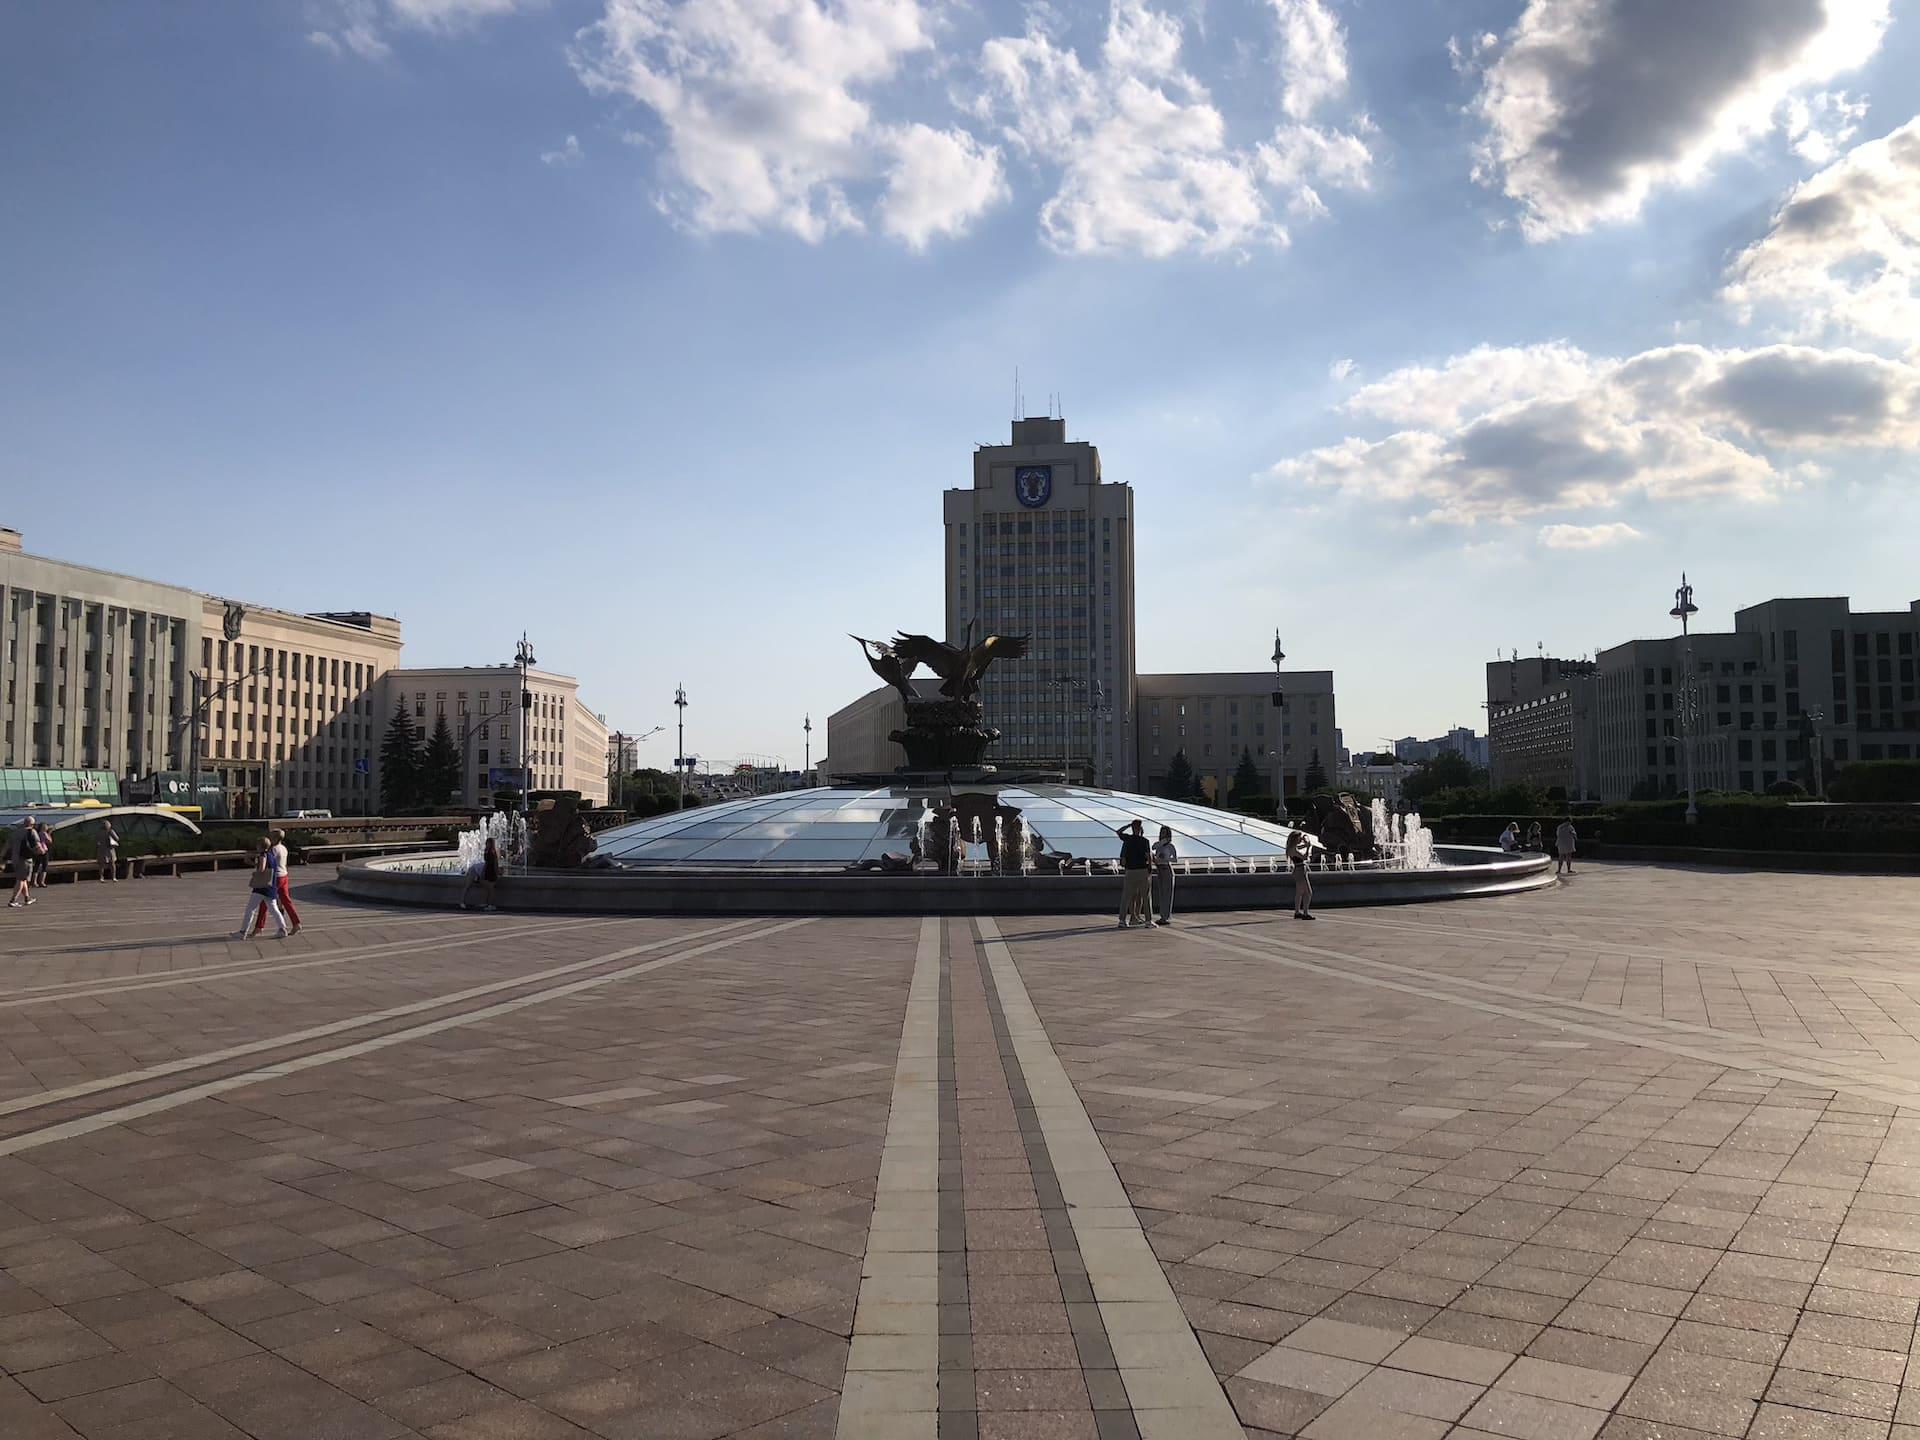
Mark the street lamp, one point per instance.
(1279, 746)
(806, 765)
(1063, 683)
(617, 749)
(523, 657)
(198, 702)
(1815, 718)
(680, 760)
(1684, 610)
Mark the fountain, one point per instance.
(507, 829)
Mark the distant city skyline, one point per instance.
(1424, 334)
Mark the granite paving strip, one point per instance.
(298, 1037)
(890, 1391)
(1795, 1063)
(120, 1114)
(1170, 1385)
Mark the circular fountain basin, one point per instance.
(797, 853)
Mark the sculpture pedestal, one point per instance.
(945, 735)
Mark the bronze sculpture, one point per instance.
(960, 666)
(887, 662)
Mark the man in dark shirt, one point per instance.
(1136, 864)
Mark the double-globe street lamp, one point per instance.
(1684, 610)
(199, 700)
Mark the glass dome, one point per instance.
(835, 826)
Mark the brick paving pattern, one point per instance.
(1636, 1158)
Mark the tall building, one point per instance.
(566, 742)
(292, 718)
(1216, 717)
(95, 668)
(1042, 546)
(1542, 724)
(1788, 668)
(1460, 740)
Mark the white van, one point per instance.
(308, 815)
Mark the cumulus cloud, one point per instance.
(768, 117)
(1502, 434)
(1842, 254)
(1145, 165)
(1341, 368)
(1591, 105)
(566, 157)
(360, 27)
(1585, 537)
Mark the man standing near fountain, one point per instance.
(1136, 859)
(1564, 840)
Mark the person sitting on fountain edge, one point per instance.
(1136, 862)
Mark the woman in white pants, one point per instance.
(262, 891)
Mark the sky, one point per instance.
(1424, 330)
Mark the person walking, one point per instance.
(43, 855)
(484, 871)
(1135, 858)
(1564, 840)
(22, 846)
(282, 888)
(106, 848)
(262, 894)
(1163, 857)
(1299, 847)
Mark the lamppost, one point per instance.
(523, 657)
(199, 698)
(1279, 746)
(617, 751)
(1684, 610)
(1063, 683)
(680, 760)
(1815, 718)
(806, 765)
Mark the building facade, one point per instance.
(566, 743)
(1792, 679)
(1041, 546)
(1543, 724)
(1368, 782)
(1460, 741)
(1214, 717)
(95, 668)
(292, 715)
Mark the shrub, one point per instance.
(1877, 780)
(1787, 790)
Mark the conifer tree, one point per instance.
(440, 767)
(400, 764)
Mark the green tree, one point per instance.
(1316, 777)
(440, 767)
(400, 764)
(1182, 783)
(1247, 784)
(1449, 770)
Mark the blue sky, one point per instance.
(655, 329)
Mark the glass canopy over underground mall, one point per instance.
(842, 825)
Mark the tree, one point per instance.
(1246, 784)
(1316, 777)
(1182, 784)
(440, 769)
(400, 764)
(1449, 770)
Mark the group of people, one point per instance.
(268, 891)
(1146, 887)
(1565, 839)
(29, 847)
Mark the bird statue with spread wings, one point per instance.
(960, 666)
(889, 665)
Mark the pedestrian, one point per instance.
(262, 893)
(1536, 841)
(1136, 856)
(282, 889)
(22, 845)
(1163, 857)
(1299, 847)
(1563, 844)
(43, 855)
(484, 871)
(106, 848)
(1510, 838)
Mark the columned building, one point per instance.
(1041, 546)
(565, 746)
(95, 668)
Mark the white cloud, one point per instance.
(567, 157)
(1590, 106)
(1313, 56)
(453, 12)
(1341, 369)
(1819, 126)
(1507, 434)
(1585, 537)
(1842, 254)
(1144, 161)
(768, 115)
(362, 26)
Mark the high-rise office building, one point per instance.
(1041, 546)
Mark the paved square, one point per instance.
(1638, 1158)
